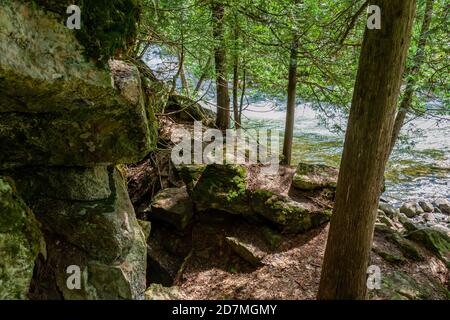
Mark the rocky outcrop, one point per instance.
(20, 242)
(70, 113)
(247, 191)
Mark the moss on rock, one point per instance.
(20, 243)
(437, 242)
(292, 216)
(107, 27)
(222, 187)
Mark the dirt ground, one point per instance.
(289, 271)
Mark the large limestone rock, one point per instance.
(66, 116)
(103, 228)
(63, 183)
(20, 243)
(59, 108)
(314, 176)
(103, 238)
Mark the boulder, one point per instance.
(246, 251)
(443, 205)
(20, 242)
(221, 187)
(429, 217)
(400, 285)
(314, 176)
(426, 206)
(440, 228)
(186, 109)
(290, 215)
(411, 209)
(246, 190)
(172, 205)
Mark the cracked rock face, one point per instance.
(66, 119)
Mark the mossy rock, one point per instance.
(314, 176)
(397, 285)
(20, 242)
(222, 187)
(291, 216)
(407, 247)
(437, 242)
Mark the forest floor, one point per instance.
(201, 264)
(291, 270)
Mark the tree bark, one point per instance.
(412, 74)
(223, 99)
(291, 102)
(366, 148)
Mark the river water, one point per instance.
(419, 167)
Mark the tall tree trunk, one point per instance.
(223, 99)
(237, 124)
(291, 102)
(412, 73)
(366, 148)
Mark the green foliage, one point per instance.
(258, 37)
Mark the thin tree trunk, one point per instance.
(244, 85)
(291, 102)
(223, 99)
(418, 60)
(202, 76)
(366, 148)
(184, 81)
